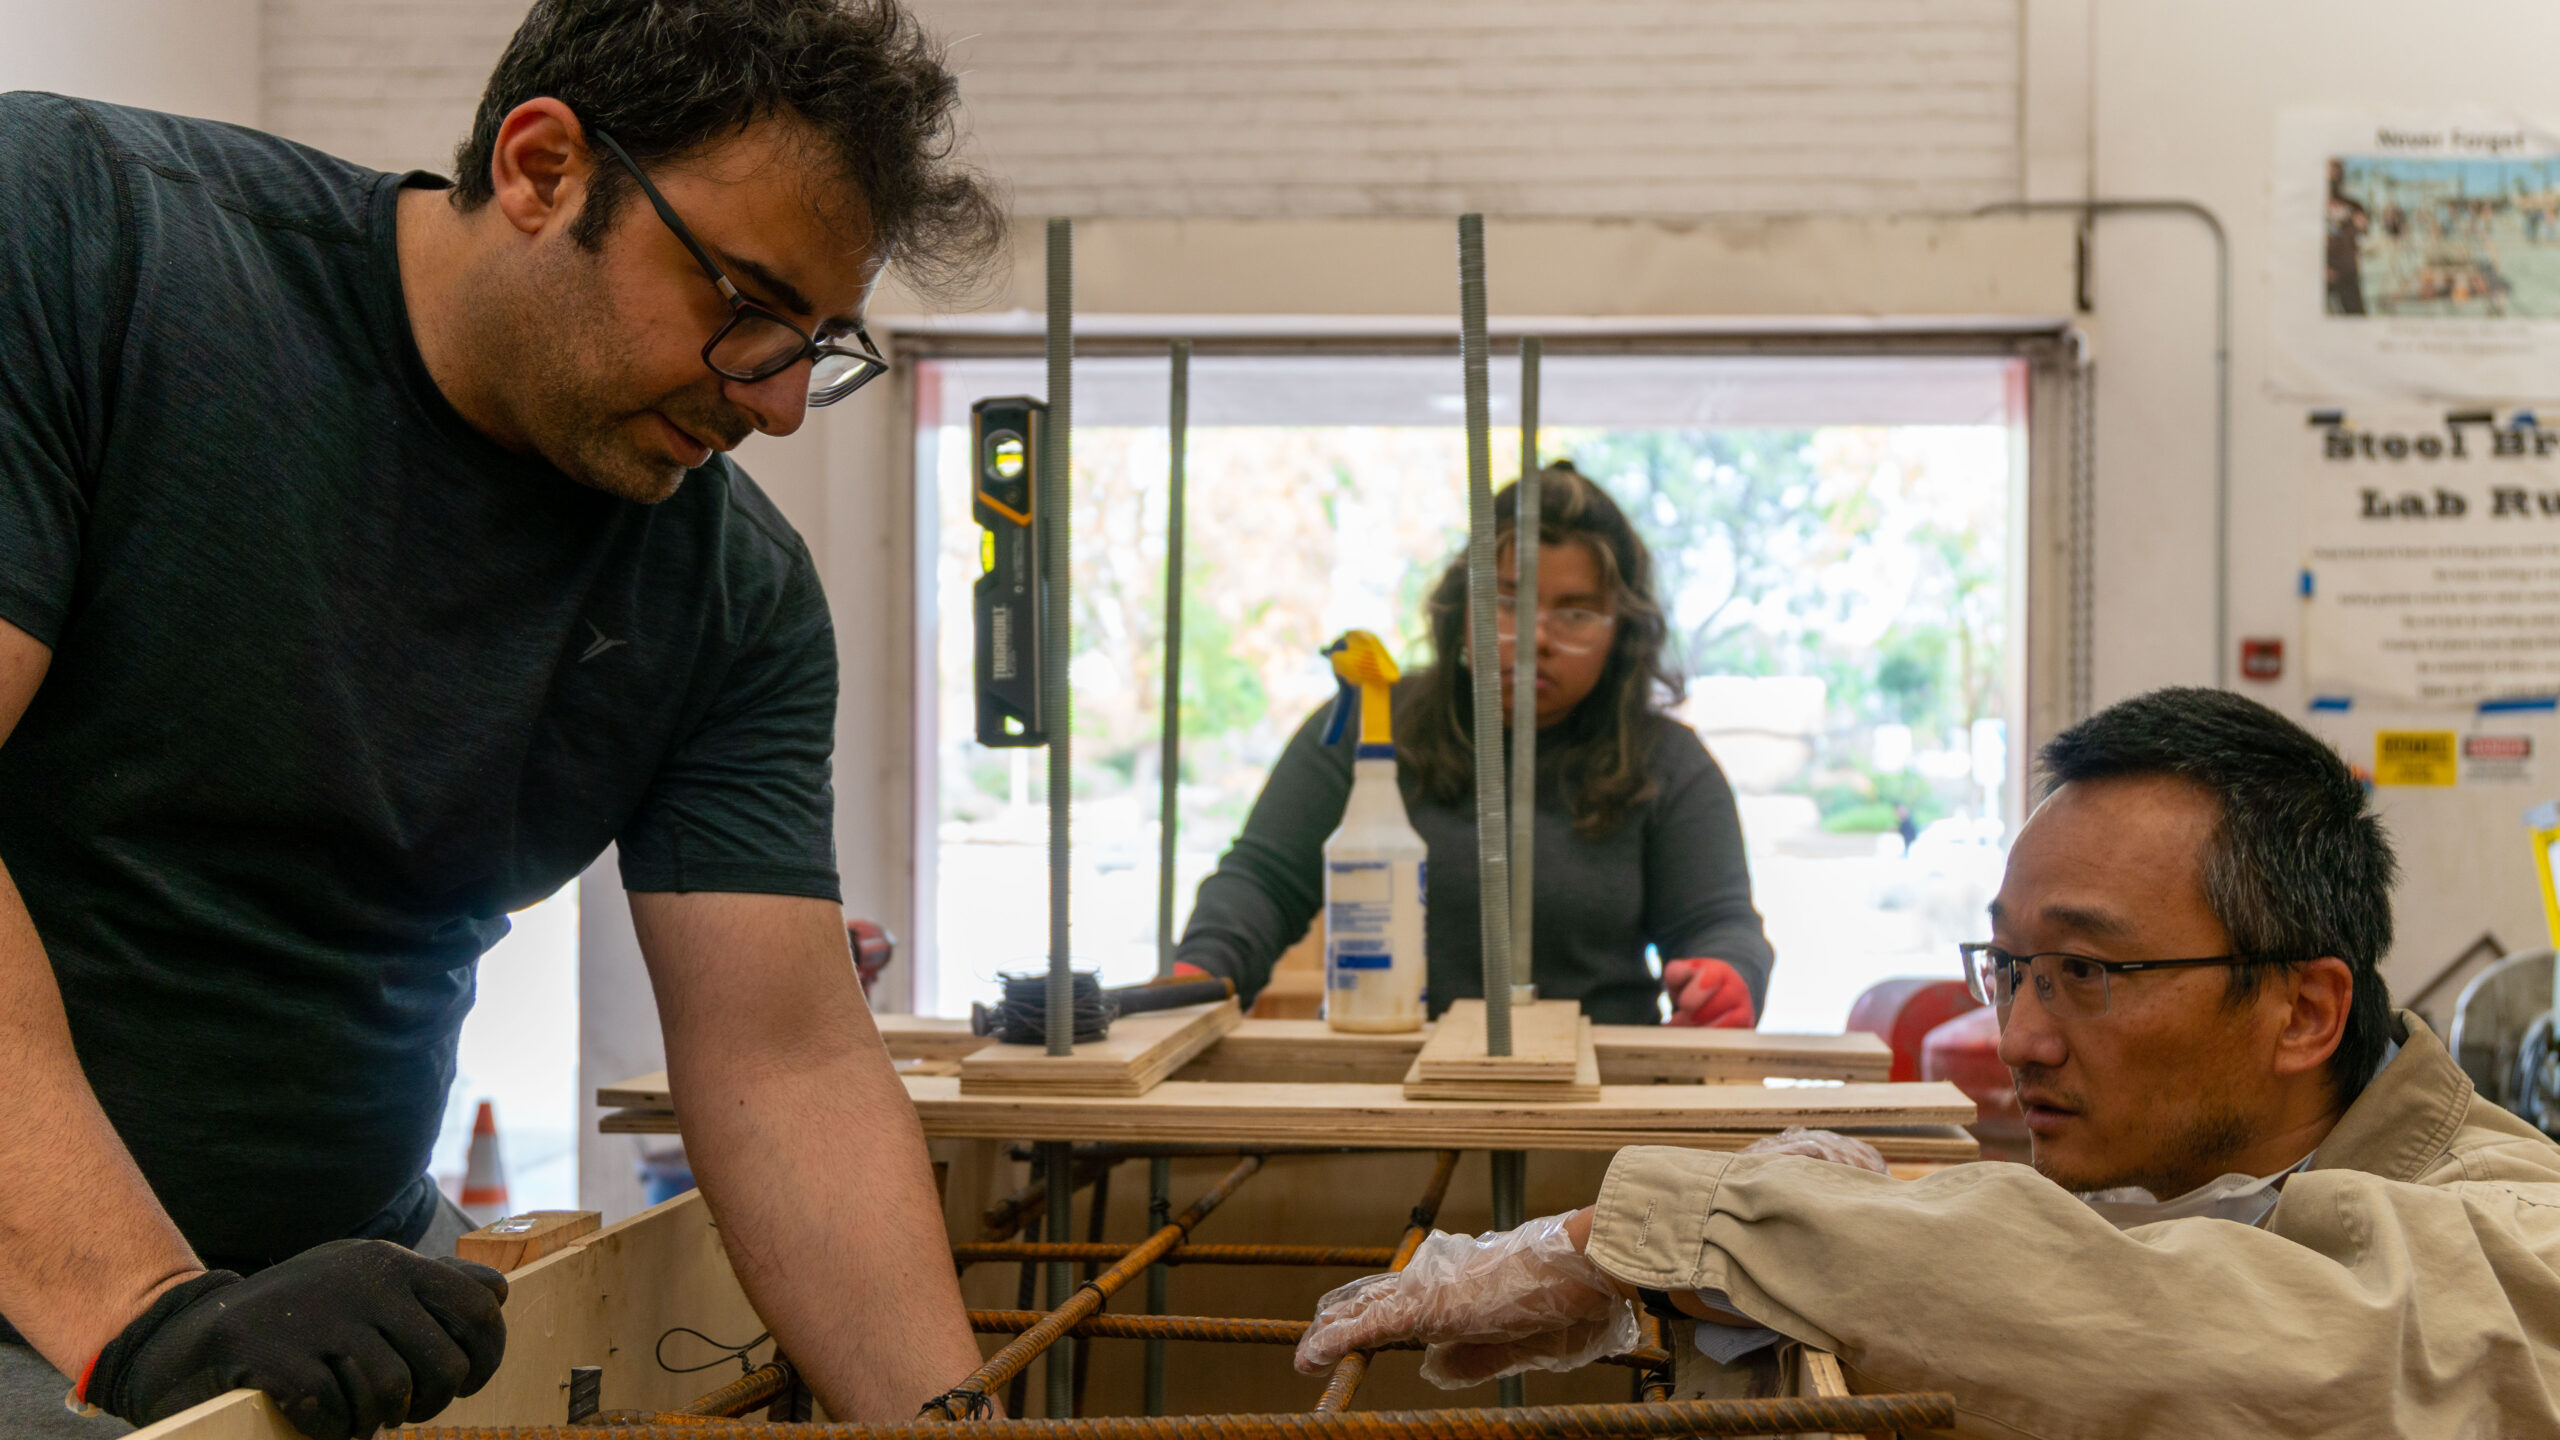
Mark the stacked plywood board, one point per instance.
(1139, 1051)
(1905, 1121)
(1552, 1056)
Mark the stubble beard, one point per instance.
(559, 353)
(2196, 1143)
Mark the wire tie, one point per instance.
(974, 1404)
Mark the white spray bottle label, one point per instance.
(1374, 863)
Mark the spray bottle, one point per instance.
(1375, 863)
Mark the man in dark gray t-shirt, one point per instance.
(367, 565)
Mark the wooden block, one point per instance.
(927, 1037)
(519, 1240)
(646, 1092)
(1291, 995)
(1584, 1086)
(1546, 1040)
(1293, 1052)
(1662, 1054)
(1140, 1051)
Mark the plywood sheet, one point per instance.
(1140, 1052)
(1299, 1051)
(1663, 1054)
(1583, 1087)
(519, 1240)
(1545, 1044)
(928, 1037)
(1380, 1115)
(1921, 1145)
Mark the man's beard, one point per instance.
(568, 395)
(2196, 1143)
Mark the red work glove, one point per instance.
(1707, 992)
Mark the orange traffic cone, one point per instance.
(484, 1176)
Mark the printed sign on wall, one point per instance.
(2416, 254)
(2431, 573)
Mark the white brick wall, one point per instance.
(1342, 107)
(389, 83)
(1521, 107)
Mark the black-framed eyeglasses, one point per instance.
(757, 344)
(2074, 987)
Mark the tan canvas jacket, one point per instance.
(2408, 1283)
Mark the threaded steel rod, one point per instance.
(1923, 1411)
(1510, 1187)
(1056, 697)
(1372, 1257)
(1348, 1370)
(1058, 1378)
(1090, 1296)
(1527, 520)
(1159, 1215)
(1168, 813)
(1484, 663)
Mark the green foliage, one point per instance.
(1221, 693)
(1861, 800)
(1871, 817)
(1734, 519)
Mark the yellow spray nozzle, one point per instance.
(1365, 669)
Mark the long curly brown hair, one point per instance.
(1606, 756)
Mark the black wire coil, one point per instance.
(1022, 1016)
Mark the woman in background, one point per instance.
(1637, 842)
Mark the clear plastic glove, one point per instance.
(1828, 1145)
(1492, 1305)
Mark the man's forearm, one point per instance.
(84, 1245)
(827, 1206)
(807, 1146)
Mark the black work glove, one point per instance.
(346, 1337)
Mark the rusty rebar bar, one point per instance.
(1214, 1328)
(1670, 1420)
(1348, 1370)
(1371, 1257)
(759, 1386)
(1092, 1295)
(1227, 1329)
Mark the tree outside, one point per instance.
(1851, 578)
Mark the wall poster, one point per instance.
(2431, 569)
(2415, 254)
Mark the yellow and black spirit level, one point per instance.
(1010, 601)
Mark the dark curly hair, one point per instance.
(668, 78)
(1607, 754)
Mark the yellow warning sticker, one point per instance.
(2415, 757)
